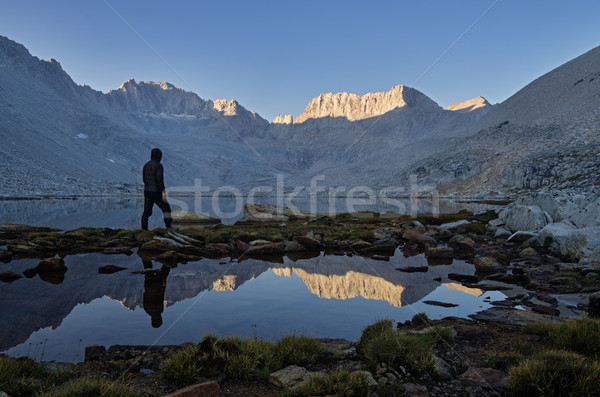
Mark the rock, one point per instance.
(371, 382)
(528, 252)
(487, 264)
(415, 390)
(543, 309)
(9, 277)
(463, 278)
(461, 244)
(205, 389)
(259, 242)
(486, 378)
(442, 369)
(413, 269)
(588, 216)
(307, 242)
(440, 253)
(94, 352)
(241, 246)
(155, 246)
(594, 305)
(360, 244)
(569, 243)
(266, 249)
(145, 236)
(51, 265)
(520, 237)
(110, 269)
(291, 246)
(442, 304)
(5, 256)
(496, 222)
(414, 237)
(168, 256)
(454, 225)
(190, 218)
(545, 201)
(502, 233)
(291, 376)
(526, 218)
(509, 316)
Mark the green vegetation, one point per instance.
(241, 358)
(380, 343)
(23, 376)
(474, 228)
(92, 387)
(429, 219)
(504, 360)
(556, 373)
(128, 233)
(581, 335)
(420, 320)
(567, 274)
(341, 383)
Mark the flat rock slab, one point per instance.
(110, 269)
(206, 389)
(442, 304)
(485, 377)
(291, 376)
(503, 315)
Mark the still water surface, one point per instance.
(325, 296)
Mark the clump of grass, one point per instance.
(579, 335)
(343, 383)
(129, 233)
(366, 235)
(240, 358)
(380, 343)
(420, 320)
(18, 376)
(566, 274)
(504, 360)
(92, 387)
(556, 373)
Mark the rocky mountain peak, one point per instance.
(470, 105)
(287, 119)
(354, 107)
(226, 107)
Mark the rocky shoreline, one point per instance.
(547, 257)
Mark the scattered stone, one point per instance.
(487, 264)
(155, 245)
(528, 252)
(9, 277)
(486, 378)
(360, 244)
(145, 236)
(442, 369)
(371, 382)
(442, 304)
(440, 253)
(526, 218)
(415, 390)
(466, 278)
(241, 246)
(259, 242)
(265, 249)
(51, 265)
(502, 233)
(94, 352)
(461, 244)
(455, 225)
(5, 256)
(520, 237)
(291, 376)
(543, 309)
(307, 242)
(413, 269)
(110, 269)
(206, 389)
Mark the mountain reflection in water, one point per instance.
(326, 296)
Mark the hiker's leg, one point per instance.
(148, 203)
(166, 209)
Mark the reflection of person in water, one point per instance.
(154, 293)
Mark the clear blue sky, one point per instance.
(274, 56)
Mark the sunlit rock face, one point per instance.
(354, 107)
(349, 285)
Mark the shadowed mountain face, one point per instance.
(28, 305)
(60, 137)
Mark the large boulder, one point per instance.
(588, 216)
(545, 201)
(526, 218)
(572, 244)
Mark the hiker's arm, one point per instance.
(161, 181)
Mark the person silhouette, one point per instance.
(154, 189)
(155, 284)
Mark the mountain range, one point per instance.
(59, 137)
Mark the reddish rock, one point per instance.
(241, 246)
(440, 253)
(51, 265)
(360, 244)
(145, 236)
(9, 277)
(307, 242)
(206, 389)
(266, 249)
(94, 352)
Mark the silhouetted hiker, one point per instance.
(154, 189)
(155, 285)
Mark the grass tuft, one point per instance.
(556, 373)
(92, 387)
(579, 335)
(343, 383)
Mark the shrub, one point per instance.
(342, 383)
(504, 360)
(556, 373)
(17, 376)
(420, 320)
(92, 387)
(580, 335)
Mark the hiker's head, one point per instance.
(156, 154)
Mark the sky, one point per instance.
(273, 57)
